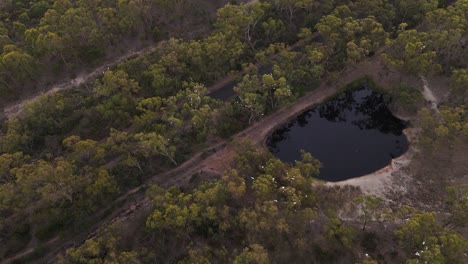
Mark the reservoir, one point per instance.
(352, 135)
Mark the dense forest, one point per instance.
(71, 160)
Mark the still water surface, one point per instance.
(352, 135)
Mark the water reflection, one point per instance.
(352, 135)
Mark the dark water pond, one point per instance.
(352, 135)
(226, 92)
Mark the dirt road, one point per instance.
(217, 158)
(14, 109)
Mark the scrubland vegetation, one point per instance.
(69, 155)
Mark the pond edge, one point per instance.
(409, 132)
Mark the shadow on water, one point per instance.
(352, 135)
(226, 92)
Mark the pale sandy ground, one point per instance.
(394, 177)
(429, 95)
(387, 180)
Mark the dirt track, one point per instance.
(220, 155)
(217, 158)
(14, 109)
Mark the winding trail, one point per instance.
(15, 109)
